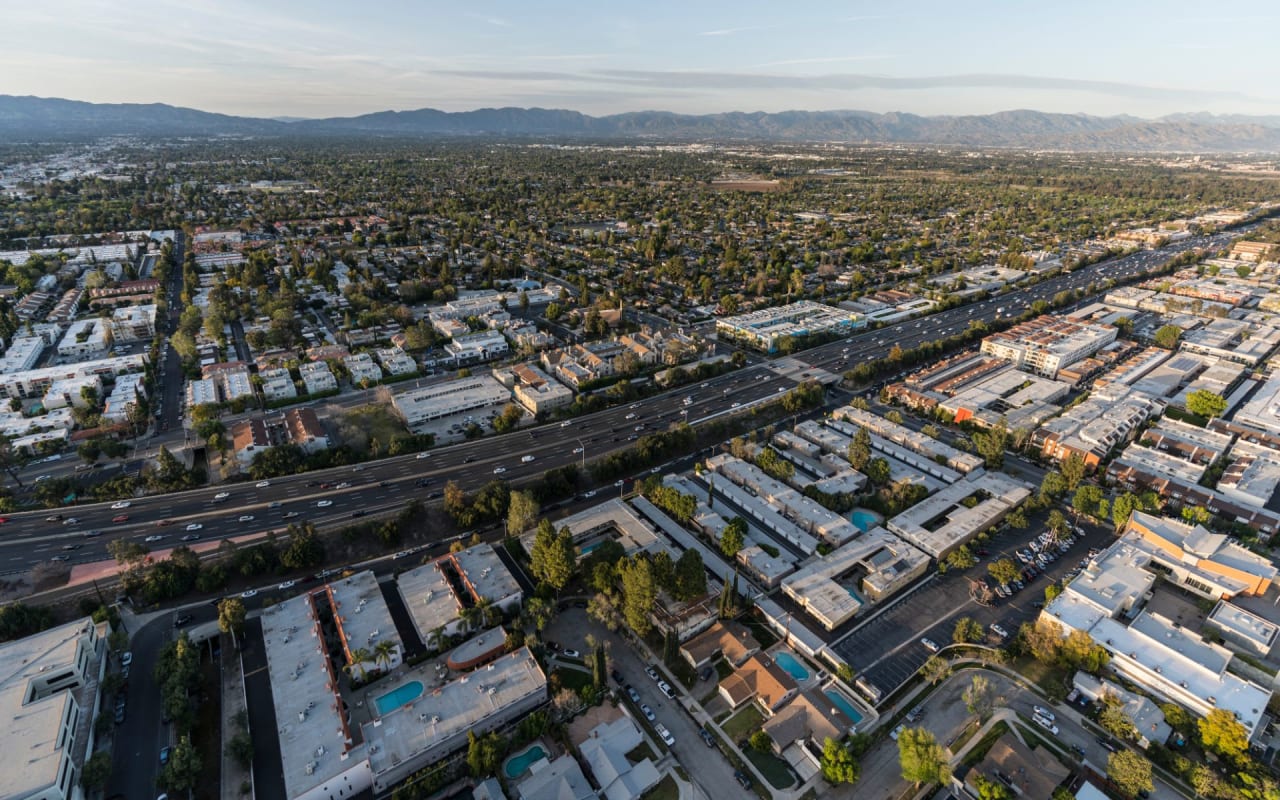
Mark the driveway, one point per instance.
(707, 767)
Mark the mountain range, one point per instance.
(52, 118)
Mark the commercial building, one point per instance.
(1209, 564)
(418, 406)
(436, 593)
(133, 323)
(434, 724)
(1244, 629)
(1048, 343)
(49, 699)
(86, 338)
(877, 563)
(943, 521)
(1022, 400)
(766, 328)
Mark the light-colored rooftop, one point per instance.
(452, 709)
(314, 740)
(940, 523)
(630, 531)
(1244, 624)
(361, 612)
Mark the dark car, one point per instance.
(359, 513)
(706, 673)
(617, 676)
(742, 779)
(1107, 744)
(181, 619)
(707, 737)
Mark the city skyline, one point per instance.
(324, 59)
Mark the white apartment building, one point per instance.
(23, 353)
(362, 368)
(86, 338)
(419, 406)
(1046, 344)
(317, 377)
(133, 323)
(396, 361)
(49, 699)
(277, 384)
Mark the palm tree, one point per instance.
(471, 617)
(359, 657)
(490, 613)
(435, 640)
(383, 653)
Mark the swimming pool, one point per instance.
(792, 666)
(586, 549)
(865, 520)
(841, 702)
(516, 765)
(405, 693)
(855, 595)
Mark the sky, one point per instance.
(318, 58)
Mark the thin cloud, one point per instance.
(827, 60)
(732, 31)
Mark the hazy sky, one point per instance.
(330, 58)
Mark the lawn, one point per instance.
(640, 752)
(574, 679)
(774, 769)
(665, 790)
(743, 723)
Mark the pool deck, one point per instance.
(812, 680)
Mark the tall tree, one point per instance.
(860, 449)
(979, 697)
(1130, 772)
(639, 592)
(522, 512)
(733, 537)
(922, 759)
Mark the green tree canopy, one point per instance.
(923, 760)
(838, 764)
(1130, 772)
(1206, 403)
(1167, 336)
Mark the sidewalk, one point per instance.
(233, 705)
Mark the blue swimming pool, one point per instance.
(855, 595)
(841, 702)
(586, 549)
(405, 693)
(792, 666)
(517, 765)
(865, 520)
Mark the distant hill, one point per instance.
(1196, 132)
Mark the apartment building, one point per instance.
(1047, 343)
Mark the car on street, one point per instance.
(1107, 744)
(118, 518)
(195, 526)
(287, 585)
(60, 558)
(577, 450)
(274, 505)
(126, 658)
(633, 694)
(245, 518)
(651, 672)
(666, 689)
(323, 503)
(164, 755)
(343, 485)
(181, 619)
(119, 715)
(527, 459)
(222, 495)
(665, 734)
(1047, 725)
(648, 712)
(191, 537)
(116, 506)
(742, 778)
(262, 484)
(247, 593)
(291, 514)
(499, 470)
(569, 652)
(155, 537)
(617, 676)
(161, 523)
(930, 645)
(422, 455)
(707, 737)
(70, 521)
(1045, 713)
(92, 534)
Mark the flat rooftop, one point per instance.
(485, 574)
(361, 612)
(630, 531)
(1244, 624)
(312, 731)
(428, 598)
(940, 523)
(450, 710)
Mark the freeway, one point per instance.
(876, 344)
(329, 496)
(29, 537)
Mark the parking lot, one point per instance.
(886, 650)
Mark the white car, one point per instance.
(324, 503)
(577, 450)
(499, 470)
(222, 495)
(897, 731)
(1047, 725)
(1045, 714)
(566, 423)
(262, 484)
(153, 538)
(247, 593)
(929, 645)
(195, 526)
(664, 733)
(422, 455)
(526, 459)
(999, 630)
(287, 585)
(245, 518)
(121, 504)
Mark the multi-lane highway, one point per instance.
(332, 495)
